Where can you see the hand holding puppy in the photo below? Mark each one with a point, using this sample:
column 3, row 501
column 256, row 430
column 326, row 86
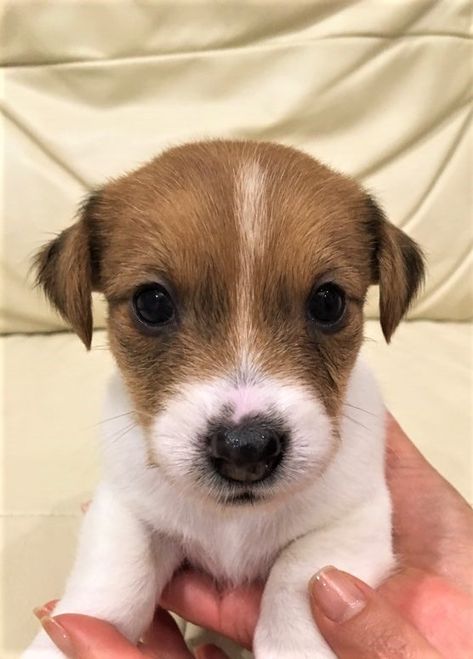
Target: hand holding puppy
column 357, row 622
column 424, row 610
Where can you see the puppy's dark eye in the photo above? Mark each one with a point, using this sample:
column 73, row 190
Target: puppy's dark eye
column 326, row 305
column 153, row 305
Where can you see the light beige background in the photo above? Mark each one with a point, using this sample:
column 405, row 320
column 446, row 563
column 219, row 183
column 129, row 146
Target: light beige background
column 380, row 89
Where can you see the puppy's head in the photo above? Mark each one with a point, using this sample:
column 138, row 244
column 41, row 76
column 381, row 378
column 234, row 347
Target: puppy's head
column 235, row 275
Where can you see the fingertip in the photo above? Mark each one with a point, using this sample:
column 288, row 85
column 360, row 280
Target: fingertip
column 336, row 594
column 394, row 427
column 59, row 636
column 357, row 622
column 85, row 505
column 209, row 652
column 45, row 609
column 84, row 632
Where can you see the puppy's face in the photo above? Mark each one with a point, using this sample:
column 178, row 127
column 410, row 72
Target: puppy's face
column 235, row 275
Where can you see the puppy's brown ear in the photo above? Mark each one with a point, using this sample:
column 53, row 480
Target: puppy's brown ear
column 397, row 266
column 67, row 269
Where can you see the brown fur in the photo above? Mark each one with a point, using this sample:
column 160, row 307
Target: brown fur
column 175, row 221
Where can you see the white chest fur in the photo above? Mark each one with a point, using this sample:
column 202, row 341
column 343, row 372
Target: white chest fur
column 240, row 543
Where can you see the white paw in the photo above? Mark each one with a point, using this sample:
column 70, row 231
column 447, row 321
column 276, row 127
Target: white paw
column 43, row 653
column 285, row 648
column 42, row 648
column 296, row 653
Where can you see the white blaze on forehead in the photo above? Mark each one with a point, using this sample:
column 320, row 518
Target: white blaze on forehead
column 251, row 211
column 250, row 203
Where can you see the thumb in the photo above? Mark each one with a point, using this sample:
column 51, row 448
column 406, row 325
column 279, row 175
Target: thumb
column 82, row 637
column 358, row 624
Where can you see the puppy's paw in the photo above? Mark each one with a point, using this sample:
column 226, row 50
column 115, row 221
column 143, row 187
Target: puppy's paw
column 284, row 646
column 42, row 648
column 294, row 653
column 43, row 653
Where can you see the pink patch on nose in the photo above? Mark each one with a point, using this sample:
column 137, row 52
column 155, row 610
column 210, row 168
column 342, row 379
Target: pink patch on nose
column 247, row 401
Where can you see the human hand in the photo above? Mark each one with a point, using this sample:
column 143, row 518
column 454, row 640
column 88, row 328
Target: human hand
column 425, row 607
column 84, row 637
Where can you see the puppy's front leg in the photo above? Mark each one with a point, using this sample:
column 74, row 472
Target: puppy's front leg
column 286, row 629
column 119, row 572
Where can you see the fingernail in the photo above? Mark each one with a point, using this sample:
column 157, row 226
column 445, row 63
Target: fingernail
column 44, row 610
column 58, row 635
column 336, row 594
column 40, row 612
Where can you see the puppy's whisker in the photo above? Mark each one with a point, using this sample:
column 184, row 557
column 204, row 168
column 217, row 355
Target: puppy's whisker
column 349, row 418
column 120, row 416
column 112, row 418
column 360, row 409
column 119, row 435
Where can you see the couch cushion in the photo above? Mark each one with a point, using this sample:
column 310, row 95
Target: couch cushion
column 52, row 392
column 381, row 91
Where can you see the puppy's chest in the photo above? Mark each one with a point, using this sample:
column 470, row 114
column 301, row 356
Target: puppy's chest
column 232, row 546
column 232, row 553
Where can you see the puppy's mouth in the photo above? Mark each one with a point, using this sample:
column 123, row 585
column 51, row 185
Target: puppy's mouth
column 230, row 492
column 243, row 498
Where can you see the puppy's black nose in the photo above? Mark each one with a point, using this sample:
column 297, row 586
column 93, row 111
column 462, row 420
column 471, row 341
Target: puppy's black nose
column 247, row 452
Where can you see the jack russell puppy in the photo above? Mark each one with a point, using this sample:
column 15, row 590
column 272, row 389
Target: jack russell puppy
column 243, row 434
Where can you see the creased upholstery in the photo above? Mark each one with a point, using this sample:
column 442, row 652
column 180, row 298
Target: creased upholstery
column 379, row 89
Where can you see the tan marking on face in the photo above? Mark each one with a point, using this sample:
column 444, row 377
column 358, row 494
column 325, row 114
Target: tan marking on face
column 239, row 232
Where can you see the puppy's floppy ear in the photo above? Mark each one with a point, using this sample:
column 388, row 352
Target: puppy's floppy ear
column 397, row 266
column 67, row 269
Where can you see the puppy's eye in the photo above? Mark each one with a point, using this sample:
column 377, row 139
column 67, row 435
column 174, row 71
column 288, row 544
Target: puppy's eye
column 326, row 306
column 153, row 305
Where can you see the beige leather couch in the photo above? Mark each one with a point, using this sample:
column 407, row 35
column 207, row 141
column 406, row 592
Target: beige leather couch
column 376, row 88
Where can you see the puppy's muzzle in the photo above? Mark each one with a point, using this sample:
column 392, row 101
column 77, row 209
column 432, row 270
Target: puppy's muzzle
column 247, row 452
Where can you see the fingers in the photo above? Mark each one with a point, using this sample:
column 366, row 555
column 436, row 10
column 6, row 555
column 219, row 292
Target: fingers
column 403, row 456
column 209, row 652
column 358, row 624
column 45, row 610
column 84, row 637
column 85, row 505
column 164, row 639
column 433, row 524
column 233, row 613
